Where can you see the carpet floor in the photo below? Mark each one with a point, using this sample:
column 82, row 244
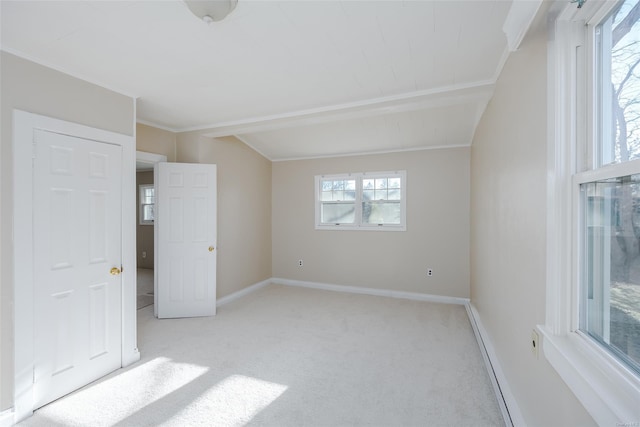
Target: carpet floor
column 144, row 291
column 286, row 356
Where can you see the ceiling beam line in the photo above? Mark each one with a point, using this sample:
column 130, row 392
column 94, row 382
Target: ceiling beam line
column 477, row 92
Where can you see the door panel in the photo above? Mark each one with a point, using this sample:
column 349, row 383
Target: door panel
column 185, row 226
column 77, row 240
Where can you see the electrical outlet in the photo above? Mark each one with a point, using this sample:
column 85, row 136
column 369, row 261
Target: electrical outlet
column 535, row 343
column 300, row 263
column 429, row 272
column 144, row 254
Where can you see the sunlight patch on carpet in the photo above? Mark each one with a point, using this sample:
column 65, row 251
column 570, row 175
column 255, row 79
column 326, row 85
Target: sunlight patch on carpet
column 234, row 401
column 130, row 391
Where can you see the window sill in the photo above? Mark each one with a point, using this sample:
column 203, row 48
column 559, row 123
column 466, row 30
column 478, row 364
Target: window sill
column 362, row 228
column 608, row 390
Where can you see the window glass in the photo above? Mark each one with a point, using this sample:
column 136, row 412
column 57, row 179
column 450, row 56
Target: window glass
column 611, row 291
column 147, row 201
column 618, row 81
column 361, row 200
column 338, row 213
column 381, row 212
column 609, row 308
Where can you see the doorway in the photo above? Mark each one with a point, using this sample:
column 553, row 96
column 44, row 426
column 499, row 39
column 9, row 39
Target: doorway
column 145, row 227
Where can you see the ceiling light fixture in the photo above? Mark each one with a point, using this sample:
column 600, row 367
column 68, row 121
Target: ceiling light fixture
column 211, row 10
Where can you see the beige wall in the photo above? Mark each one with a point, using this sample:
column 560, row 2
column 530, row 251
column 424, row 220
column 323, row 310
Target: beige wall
column 157, row 141
column 37, row 89
column 144, row 233
column 508, row 209
column 244, row 207
column 437, row 233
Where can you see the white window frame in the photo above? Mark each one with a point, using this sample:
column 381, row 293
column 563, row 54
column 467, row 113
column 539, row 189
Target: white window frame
column 608, row 389
column 358, row 225
column 141, row 205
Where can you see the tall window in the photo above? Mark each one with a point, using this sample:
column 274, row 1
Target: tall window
column 361, row 201
column 147, row 202
column 609, row 278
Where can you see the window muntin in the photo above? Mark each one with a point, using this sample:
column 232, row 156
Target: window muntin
column 338, row 201
column 361, row 201
column 147, row 203
column 609, row 202
column 381, row 200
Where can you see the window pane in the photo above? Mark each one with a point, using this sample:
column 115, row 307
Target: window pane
column 394, row 182
column 380, row 213
column 338, row 213
column 147, row 195
column 338, row 190
column 394, row 194
column 368, row 184
column 618, row 44
column 381, row 183
column 381, row 195
column 147, row 213
column 610, row 297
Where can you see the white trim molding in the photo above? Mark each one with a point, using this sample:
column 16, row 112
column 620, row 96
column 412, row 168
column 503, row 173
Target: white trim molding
column 506, row 401
column 372, row 291
column 242, row 292
column 607, row 389
column 7, row 418
column 150, row 158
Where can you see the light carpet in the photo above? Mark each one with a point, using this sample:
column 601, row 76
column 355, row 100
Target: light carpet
column 285, row 356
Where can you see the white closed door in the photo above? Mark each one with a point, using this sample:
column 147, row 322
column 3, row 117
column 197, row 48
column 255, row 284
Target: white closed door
column 185, row 239
column 77, row 243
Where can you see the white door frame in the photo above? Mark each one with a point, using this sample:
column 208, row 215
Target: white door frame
column 23, row 126
column 150, row 158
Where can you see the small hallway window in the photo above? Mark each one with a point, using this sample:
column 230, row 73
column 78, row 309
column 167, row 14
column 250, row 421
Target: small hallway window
column 147, row 202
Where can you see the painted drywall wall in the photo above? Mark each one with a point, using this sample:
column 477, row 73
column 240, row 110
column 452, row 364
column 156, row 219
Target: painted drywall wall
column 31, row 87
column 144, row 232
column 244, row 207
column 157, row 141
column 437, row 233
column 508, row 226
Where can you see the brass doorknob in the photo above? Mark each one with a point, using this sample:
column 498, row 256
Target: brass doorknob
column 211, row 248
column 115, row 271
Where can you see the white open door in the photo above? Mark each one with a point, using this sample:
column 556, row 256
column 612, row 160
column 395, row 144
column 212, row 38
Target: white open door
column 185, row 239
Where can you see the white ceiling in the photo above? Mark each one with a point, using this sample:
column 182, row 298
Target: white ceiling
column 292, row 79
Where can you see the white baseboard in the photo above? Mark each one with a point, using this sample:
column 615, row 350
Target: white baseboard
column 130, row 358
column 6, row 418
column 507, row 403
column 242, row 292
column 372, row 291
